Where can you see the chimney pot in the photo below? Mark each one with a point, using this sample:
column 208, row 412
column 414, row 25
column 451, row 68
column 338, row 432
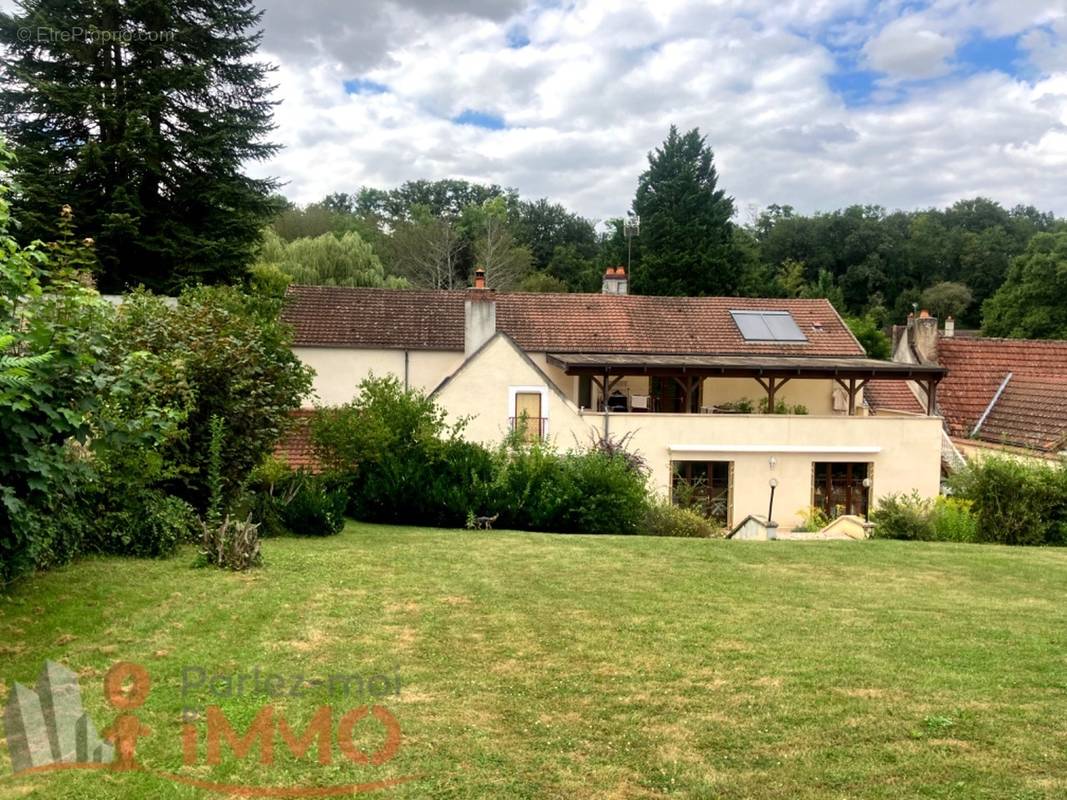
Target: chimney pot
column 924, row 314
column 479, row 278
column 950, row 327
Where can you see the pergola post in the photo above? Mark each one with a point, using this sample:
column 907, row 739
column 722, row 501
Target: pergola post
column 852, row 389
column 771, row 386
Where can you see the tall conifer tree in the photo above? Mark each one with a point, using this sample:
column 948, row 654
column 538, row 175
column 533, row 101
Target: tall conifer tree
column 140, row 115
column 686, row 234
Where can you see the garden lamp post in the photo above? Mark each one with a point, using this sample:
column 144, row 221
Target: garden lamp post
column 773, row 483
column 867, row 500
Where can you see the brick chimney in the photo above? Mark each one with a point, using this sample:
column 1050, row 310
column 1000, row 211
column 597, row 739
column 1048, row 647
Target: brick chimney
column 479, row 315
column 615, row 281
column 924, row 337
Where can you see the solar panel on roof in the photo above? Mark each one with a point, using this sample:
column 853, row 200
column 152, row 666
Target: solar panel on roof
column 768, row 326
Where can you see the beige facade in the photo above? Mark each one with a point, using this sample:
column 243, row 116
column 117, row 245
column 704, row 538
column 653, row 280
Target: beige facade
column 899, row 454
column 338, row 370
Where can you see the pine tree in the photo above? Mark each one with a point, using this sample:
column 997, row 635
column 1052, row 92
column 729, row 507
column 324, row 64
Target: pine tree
column 139, row 114
column 686, row 233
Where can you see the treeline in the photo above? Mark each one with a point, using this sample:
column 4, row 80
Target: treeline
column 150, row 159
column 975, row 260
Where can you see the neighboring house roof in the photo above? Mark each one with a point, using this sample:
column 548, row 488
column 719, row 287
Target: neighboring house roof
column 891, row 396
column 294, row 448
column 1030, row 412
column 409, row 319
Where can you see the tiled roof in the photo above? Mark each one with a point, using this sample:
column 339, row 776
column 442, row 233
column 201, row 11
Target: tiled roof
column 1032, row 413
column 891, row 396
column 294, row 448
column 433, row 320
column 1029, row 412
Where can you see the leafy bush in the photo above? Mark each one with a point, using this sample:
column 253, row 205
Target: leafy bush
column 315, row 505
column 954, row 520
column 812, row 519
column 44, row 535
column 232, row 544
column 911, row 517
column 663, row 518
column 406, row 464
column 232, row 358
column 151, row 524
column 900, row 516
column 1015, row 502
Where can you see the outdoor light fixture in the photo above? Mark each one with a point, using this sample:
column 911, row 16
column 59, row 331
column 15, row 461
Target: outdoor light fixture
column 773, row 483
column 867, row 500
column 773, row 462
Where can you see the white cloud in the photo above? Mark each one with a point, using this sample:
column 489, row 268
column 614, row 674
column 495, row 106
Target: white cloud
column 600, row 82
column 907, row 48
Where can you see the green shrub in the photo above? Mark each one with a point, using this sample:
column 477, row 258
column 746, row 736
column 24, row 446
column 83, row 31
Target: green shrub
column 232, row 358
column 150, row 524
column 901, row 516
column 406, row 464
column 605, row 494
column 911, row 517
column 812, row 519
column 663, row 518
column 1014, row 502
column 48, row 536
column 315, row 505
column 953, row 520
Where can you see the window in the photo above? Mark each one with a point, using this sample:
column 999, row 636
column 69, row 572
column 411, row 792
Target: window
column 837, row 487
column 528, row 411
column 704, row 485
column 768, row 326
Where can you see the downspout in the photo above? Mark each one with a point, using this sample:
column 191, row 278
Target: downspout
column 406, row 363
column 993, row 402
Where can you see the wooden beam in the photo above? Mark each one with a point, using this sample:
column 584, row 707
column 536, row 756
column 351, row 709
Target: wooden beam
column 931, row 398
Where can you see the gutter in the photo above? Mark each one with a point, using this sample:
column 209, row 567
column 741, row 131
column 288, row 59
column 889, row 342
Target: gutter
column 993, row 402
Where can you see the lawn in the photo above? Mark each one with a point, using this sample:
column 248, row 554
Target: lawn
column 541, row 666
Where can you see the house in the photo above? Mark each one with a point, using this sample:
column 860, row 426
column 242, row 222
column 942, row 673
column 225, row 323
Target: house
column 1004, row 396
column 683, row 379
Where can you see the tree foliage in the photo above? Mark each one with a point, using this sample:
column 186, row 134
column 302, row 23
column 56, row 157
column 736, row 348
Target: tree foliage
column 326, row 260
column 686, row 232
column 1032, row 303
column 144, row 132
column 236, row 356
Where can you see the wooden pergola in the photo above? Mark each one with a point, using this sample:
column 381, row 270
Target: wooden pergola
column 771, row 372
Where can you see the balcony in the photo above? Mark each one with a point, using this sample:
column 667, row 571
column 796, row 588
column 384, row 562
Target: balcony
column 530, row 429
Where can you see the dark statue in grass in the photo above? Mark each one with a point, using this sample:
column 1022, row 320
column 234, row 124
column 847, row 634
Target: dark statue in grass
column 142, row 126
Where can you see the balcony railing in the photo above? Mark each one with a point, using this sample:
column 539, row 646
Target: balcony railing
column 530, row 428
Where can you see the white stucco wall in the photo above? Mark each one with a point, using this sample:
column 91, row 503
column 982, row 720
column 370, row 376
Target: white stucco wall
column 905, row 452
column 339, row 370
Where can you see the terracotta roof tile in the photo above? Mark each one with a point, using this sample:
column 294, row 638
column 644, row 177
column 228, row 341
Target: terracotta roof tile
column 294, row 448
column 891, row 396
column 976, row 369
column 1032, row 413
column 433, row 320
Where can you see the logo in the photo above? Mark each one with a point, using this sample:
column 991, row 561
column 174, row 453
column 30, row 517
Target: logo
column 48, row 730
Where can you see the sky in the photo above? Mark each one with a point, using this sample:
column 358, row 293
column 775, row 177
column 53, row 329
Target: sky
column 814, row 103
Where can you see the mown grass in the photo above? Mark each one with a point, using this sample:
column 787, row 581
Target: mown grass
column 538, row 666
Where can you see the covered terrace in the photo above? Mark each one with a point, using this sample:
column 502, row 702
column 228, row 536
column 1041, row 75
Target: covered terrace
column 688, row 373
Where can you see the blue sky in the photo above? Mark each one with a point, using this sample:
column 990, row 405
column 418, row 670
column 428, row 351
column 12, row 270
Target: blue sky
column 815, row 104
